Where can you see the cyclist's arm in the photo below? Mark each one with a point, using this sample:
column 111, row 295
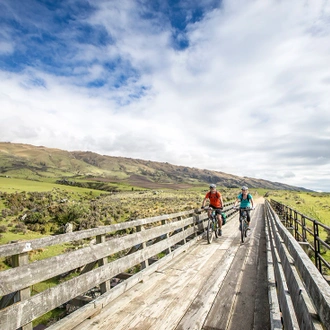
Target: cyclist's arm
column 252, row 202
column 203, row 204
column 236, row 202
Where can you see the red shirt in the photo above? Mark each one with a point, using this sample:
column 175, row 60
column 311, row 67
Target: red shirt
column 214, row 199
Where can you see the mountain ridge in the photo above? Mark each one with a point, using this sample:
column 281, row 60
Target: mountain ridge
column 33, row 162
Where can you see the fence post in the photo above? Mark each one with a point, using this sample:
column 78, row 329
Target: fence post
column 145, row 263
column 19, row 260
column 290, row 217
column 303, row 228
column 286, row 216
column 196, row 220
column 168, row 250
column 318, row 264
column 183, row 229
column 105, row 286
column 296, row 226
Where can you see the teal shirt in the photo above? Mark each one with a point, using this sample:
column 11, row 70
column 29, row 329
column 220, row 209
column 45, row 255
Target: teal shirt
column 245, row 202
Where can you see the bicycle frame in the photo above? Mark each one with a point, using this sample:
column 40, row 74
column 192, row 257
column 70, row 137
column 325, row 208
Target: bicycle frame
column 243, row 223
column 212, row 227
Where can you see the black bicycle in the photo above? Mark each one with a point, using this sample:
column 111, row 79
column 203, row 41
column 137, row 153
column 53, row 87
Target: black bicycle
column 243, row 226
column 212, row 226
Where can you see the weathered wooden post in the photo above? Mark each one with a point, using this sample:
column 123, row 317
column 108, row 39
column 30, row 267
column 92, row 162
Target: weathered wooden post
column 168, row 250
column 196, row 219
column 144, row 264
column 290, row 217
column 296, row 226
column 105, row 286
column 183, row 229
column 19, row 260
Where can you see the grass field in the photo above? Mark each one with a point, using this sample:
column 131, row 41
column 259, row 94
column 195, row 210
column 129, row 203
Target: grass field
column 12, row 185
column 313, row 204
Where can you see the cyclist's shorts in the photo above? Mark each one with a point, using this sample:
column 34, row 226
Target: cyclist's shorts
column 217, row 210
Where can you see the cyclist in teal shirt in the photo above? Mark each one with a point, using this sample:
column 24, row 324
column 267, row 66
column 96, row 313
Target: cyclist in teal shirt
column 246, row 200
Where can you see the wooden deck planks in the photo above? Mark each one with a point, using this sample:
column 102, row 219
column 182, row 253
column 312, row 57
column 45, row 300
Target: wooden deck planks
column 174, row 288
column 206, row 285
column 220, row 314
column 180, row 295
column 123, row 309
column 247, row 310
column 205, row 282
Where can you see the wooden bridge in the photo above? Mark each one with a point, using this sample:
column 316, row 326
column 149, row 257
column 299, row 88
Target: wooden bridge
column 179, row 281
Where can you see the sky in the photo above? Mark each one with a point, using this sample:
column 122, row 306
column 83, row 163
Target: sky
column 237, row 86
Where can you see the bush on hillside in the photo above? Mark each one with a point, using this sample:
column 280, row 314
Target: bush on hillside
column 71, row 213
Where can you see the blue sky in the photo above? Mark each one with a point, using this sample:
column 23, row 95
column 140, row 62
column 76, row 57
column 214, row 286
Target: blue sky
column 236, row 86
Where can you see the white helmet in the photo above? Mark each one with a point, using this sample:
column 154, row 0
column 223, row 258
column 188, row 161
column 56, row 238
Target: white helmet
column 245, row 188
column 212, row 185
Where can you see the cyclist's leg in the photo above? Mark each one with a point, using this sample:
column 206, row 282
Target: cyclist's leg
column 248, row 217
column 209, row 211
column 219, row 217
column 240, row 218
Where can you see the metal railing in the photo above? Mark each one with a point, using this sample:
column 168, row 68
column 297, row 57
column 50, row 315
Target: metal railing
column 299, row 294
column 307, row 230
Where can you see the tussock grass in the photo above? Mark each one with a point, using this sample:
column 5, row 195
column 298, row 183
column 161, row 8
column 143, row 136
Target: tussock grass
column 313, row 204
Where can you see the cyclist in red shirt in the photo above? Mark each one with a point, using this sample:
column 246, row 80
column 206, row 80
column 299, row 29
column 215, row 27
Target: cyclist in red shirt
column 216, row 203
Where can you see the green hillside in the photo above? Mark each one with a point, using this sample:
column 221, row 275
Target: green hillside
column 41, row 163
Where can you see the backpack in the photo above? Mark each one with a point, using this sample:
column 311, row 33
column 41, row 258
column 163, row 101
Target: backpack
column 248, row 197
column 224, row 218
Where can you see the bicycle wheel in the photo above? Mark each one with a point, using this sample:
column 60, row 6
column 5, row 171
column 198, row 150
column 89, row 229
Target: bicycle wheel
column 209, row 233
column 216, row 227
column 242, row 230
column 245, row 228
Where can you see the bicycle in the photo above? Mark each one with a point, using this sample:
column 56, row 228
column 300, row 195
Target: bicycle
column 243, row 224
column 212, row 225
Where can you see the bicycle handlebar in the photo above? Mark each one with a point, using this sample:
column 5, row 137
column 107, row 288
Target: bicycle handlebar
column 243, row 208
column 206, row 208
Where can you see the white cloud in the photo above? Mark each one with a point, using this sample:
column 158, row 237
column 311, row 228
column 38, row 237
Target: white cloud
column 249, row 96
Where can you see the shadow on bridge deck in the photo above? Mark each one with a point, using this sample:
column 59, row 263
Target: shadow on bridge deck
column 222, row 285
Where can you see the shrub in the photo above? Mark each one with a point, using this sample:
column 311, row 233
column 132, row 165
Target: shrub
column 71, row 214
column 35, row 217
column 19, row 228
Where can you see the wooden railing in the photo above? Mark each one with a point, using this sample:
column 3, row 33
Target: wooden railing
column 151, row 243
column 307, row 232
column 299, row 295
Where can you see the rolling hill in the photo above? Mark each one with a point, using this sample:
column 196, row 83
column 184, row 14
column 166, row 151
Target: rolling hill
column 40, row 163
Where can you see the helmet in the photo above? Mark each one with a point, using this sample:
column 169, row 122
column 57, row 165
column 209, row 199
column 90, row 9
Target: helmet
column 212, row 185
column 245, row 188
